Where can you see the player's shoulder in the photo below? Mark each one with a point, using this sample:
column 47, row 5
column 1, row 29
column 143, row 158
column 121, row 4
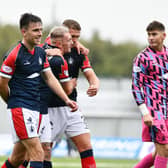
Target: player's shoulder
column 40, row 51
column 46, row 46
column 77, row 55
column 40, row 48
column 13, row 51
column 74, row 51
column 144, row 54
column 57, row 59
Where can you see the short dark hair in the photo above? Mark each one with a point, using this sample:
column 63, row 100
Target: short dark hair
column 26, row 18
column 72, row 24
column 155, row 25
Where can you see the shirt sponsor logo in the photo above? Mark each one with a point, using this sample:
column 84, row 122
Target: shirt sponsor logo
column 70, row 60
column 136, row 69
column 34, row 75
column 6, row 69
column 26, row 63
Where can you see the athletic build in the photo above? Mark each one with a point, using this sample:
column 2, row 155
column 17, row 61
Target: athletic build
column 149, row 87
column 21, row 72
column 77, row 61
column 73, row 125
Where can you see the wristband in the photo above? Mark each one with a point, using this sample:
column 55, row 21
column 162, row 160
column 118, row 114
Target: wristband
column 143, row 108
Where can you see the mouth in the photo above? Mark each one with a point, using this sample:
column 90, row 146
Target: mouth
column 38, row 39
column 152, row 42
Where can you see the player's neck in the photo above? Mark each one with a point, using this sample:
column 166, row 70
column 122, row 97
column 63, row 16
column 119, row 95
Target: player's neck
column 158, row 48
column 30, row 47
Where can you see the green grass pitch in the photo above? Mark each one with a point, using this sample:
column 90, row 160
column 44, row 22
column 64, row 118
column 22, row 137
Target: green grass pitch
column 75, row 163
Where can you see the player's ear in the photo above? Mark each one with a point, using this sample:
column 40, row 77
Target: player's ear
column 58, row 44
column 23, row 31
column 164, row 34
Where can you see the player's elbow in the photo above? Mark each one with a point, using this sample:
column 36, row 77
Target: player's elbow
column 1, row 84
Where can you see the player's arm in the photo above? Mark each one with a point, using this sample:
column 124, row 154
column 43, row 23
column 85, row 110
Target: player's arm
column 50, row 51
column 54, row 84
column 147, row 118
column 90, row 76
column 53, row 51
column 67, row 83
column 59, row 68
column 68, row 86
column 4, row 89
column 93, row 82
column 138, row 77
column 6, row 72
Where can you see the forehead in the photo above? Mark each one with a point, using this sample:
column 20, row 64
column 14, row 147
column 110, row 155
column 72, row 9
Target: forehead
column 155, row 31
column 74, row 31
column 67, row 35
column 35, row 25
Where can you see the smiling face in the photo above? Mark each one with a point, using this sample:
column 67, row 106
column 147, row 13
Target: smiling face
column 32, row 34
column 64, row 43
column 156, row 39
column 75, row 34
column 67, row 43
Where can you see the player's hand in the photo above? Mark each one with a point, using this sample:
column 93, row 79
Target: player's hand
column 92, row 90
column 72, row 104
column 81, row 49
column 148, row 120
column 53, row 51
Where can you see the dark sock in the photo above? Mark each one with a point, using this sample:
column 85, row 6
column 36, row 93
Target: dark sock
column 25, row 163
column 36, row 164
column 7, row 164
column 87, row 159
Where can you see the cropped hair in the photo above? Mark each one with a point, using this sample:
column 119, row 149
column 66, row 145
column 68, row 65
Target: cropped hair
column 27, row 18
column 155, row 25
column 72, row 24
column 58, row 31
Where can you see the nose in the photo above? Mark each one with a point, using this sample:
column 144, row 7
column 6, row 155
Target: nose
column 71, row 42
column 40, row 32
column 150, row 38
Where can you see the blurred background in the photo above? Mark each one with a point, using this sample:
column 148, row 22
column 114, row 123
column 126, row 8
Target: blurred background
column 114, row 31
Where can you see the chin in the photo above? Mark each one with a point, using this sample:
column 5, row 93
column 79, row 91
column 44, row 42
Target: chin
column 37, row 42
column 153, row 45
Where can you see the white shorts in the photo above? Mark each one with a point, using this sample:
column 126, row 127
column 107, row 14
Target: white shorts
column 64, row 121
column 44, row 129
column 24, row 123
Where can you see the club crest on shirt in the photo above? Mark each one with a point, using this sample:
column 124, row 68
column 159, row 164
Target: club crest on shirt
column 40, row 61
column 136, row 69
column 6, row 68
column 70, row 61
